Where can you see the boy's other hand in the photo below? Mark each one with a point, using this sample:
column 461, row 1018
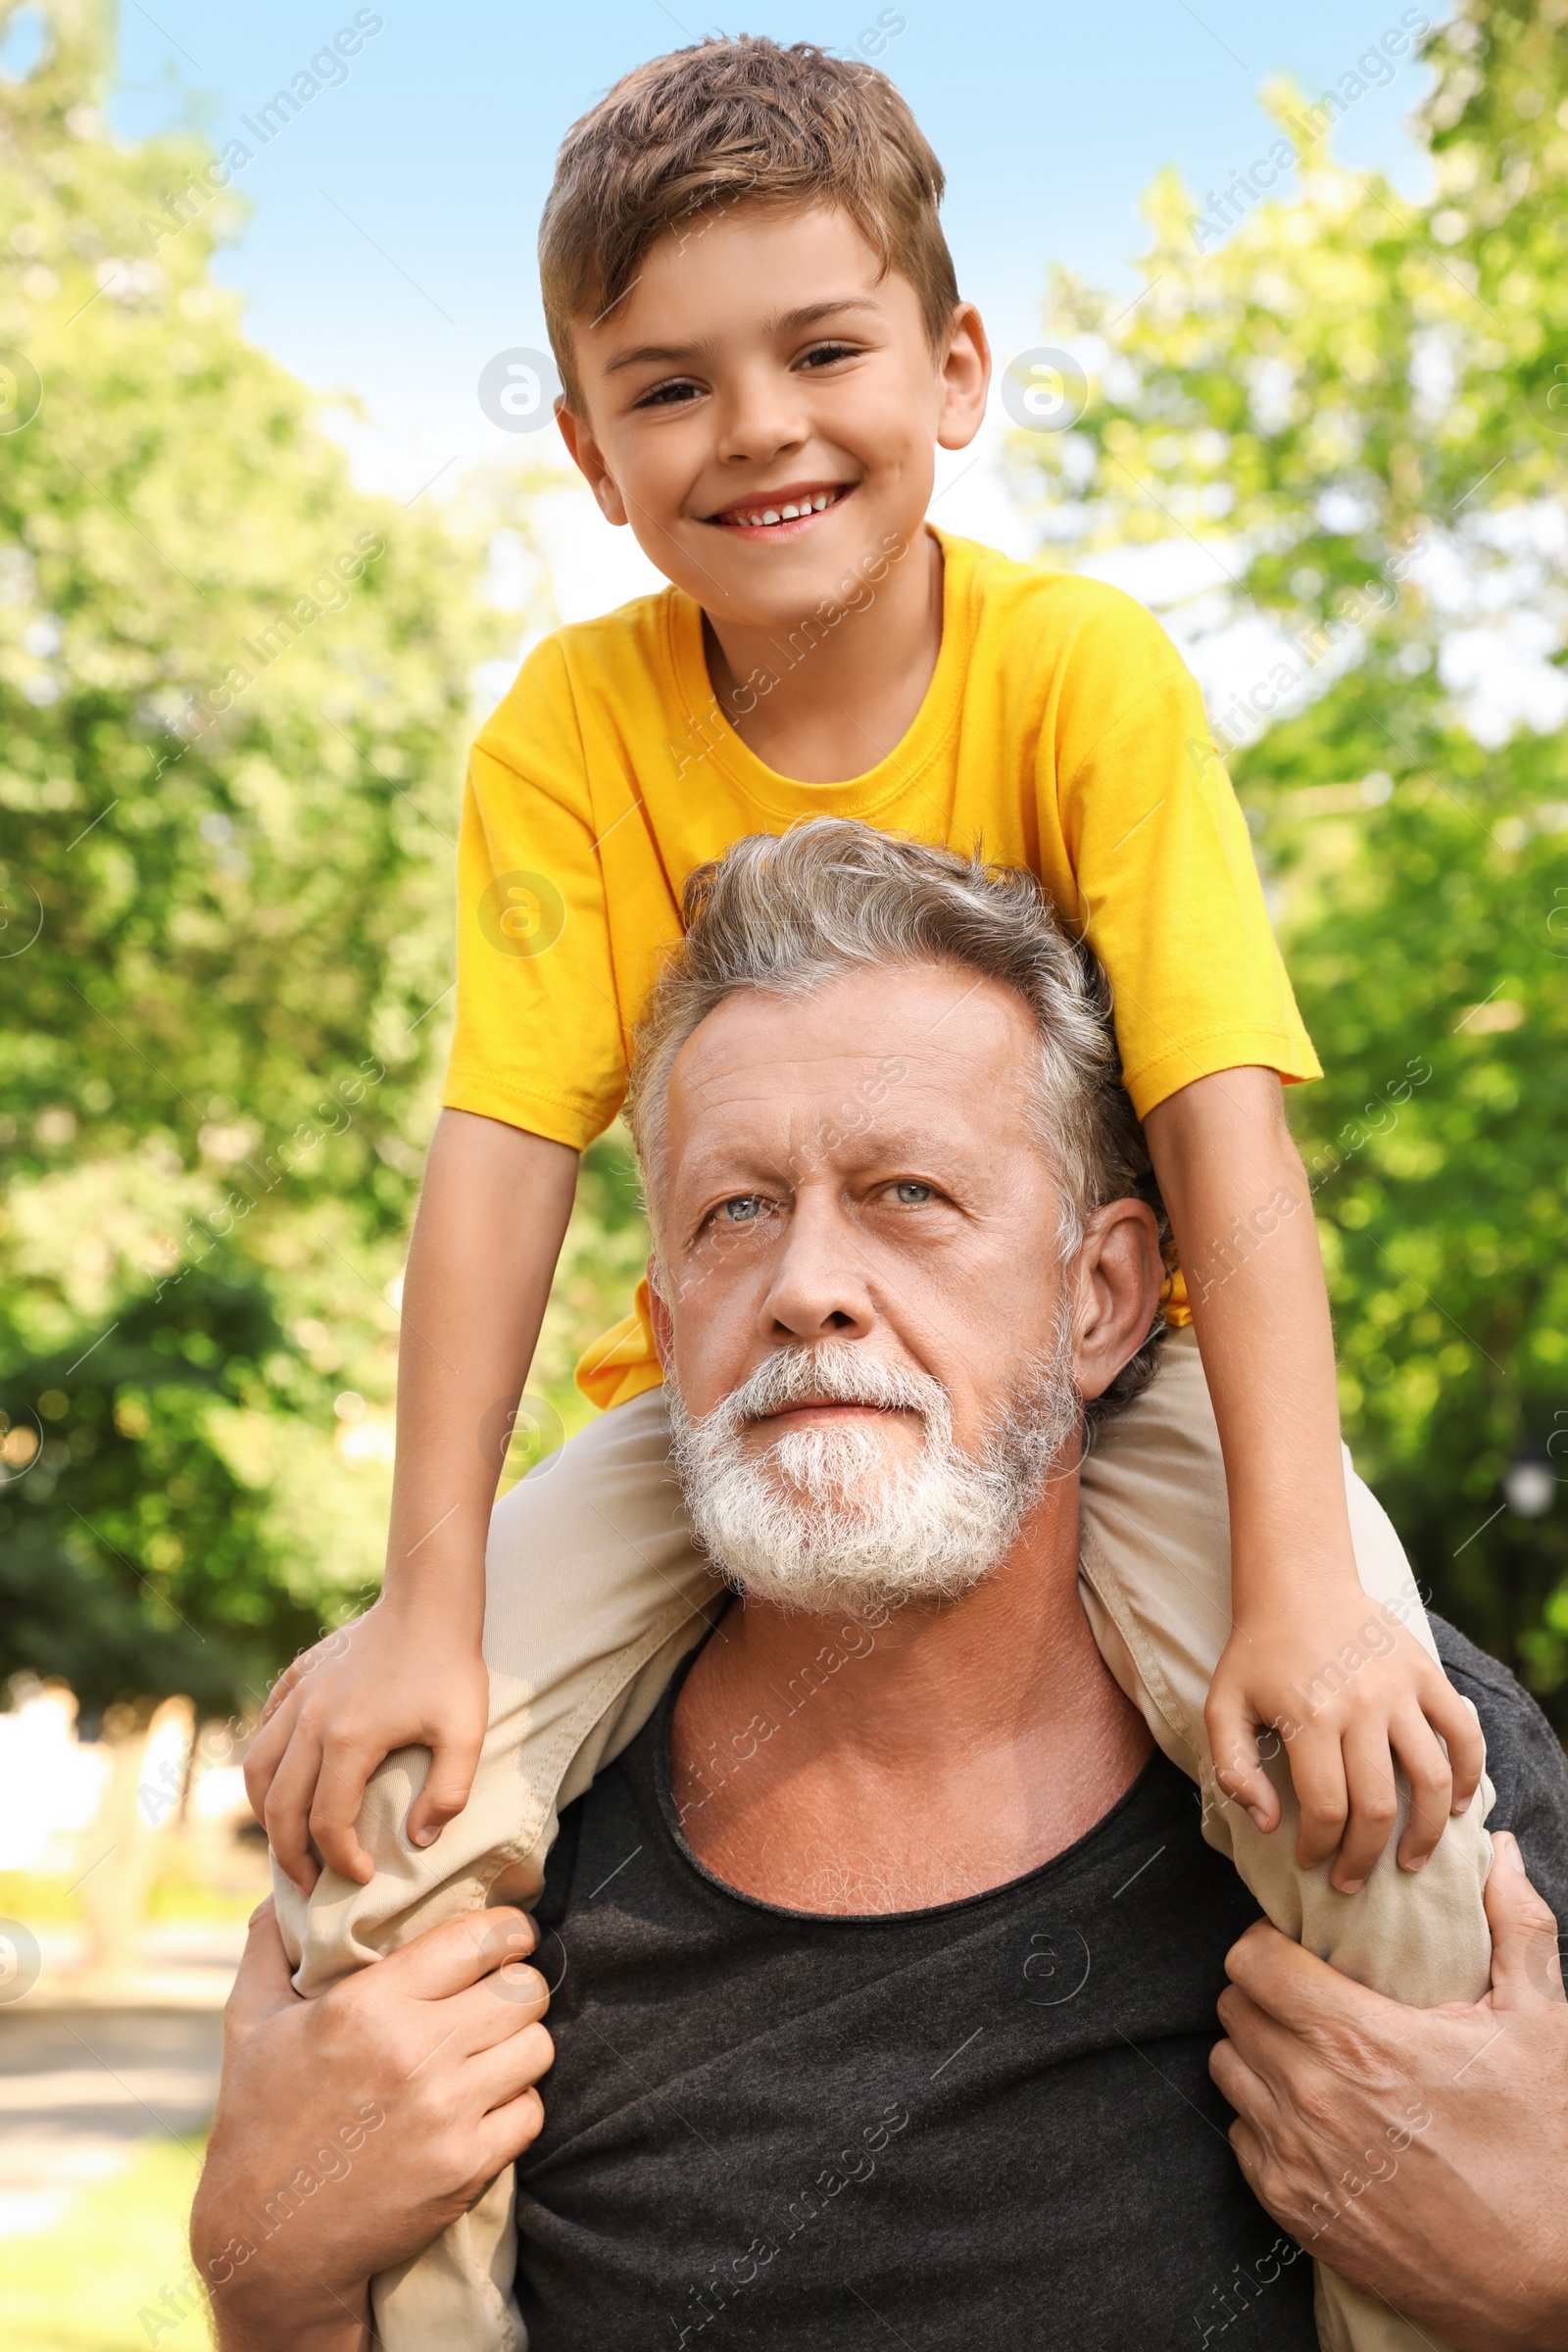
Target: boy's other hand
column 389, row 1679
column 1354, row 1694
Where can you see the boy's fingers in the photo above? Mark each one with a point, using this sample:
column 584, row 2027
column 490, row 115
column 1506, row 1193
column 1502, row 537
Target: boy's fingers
column 287, row 1810
column 1318, row 1770
column 1454, row 1720
column 284, row 1687
column 1233, row 1745
column 452, row 1765
column 263, row 1757
column 1425, row 1766
column 336, row 1807
column 1373, row 1795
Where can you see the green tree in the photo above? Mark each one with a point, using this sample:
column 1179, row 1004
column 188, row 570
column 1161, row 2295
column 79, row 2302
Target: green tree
column 234, row 697
column 1351, row 414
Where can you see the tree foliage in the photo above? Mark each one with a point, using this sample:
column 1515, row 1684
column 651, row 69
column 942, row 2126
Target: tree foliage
column 234, row 696
column 1346, row 427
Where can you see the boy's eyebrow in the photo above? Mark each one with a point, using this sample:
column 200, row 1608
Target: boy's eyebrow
column 791, row 322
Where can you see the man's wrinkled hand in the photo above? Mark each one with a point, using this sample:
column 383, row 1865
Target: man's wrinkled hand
column 351, row 2129
column 1422, row 2153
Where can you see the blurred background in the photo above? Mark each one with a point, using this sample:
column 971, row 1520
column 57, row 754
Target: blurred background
column 1280, row 315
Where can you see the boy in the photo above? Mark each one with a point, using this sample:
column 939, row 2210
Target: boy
column 760, row 339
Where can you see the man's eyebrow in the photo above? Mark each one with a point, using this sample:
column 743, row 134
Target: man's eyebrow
column 671, row 355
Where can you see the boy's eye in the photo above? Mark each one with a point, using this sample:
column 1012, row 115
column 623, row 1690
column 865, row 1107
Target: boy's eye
column 910, row 1195
column 668, row 396
column 826, row 354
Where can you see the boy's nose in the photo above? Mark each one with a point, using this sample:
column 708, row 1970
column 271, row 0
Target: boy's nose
column 762, row 419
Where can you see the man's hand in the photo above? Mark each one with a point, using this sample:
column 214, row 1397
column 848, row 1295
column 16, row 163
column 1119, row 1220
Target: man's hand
column 1423, row 2153
column 351, row 2129
column 395, row 1677
column 1354, row 1694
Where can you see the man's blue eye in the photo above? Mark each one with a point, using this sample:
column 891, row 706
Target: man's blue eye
column 743, row 1210
column 911, row 1195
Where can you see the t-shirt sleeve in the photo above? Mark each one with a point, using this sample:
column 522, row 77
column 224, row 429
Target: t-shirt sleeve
column 1525, row 1763
column 1163, row 860
column 539, row 1040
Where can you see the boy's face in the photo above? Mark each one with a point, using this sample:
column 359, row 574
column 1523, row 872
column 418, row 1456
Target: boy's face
column 759, row 362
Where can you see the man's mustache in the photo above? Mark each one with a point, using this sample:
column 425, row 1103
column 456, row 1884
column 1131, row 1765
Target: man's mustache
column 838, row 1374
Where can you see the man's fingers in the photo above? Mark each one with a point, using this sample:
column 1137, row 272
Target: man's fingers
column 1526, row 1949
column 1238, row 1768
column 1373, row 1806
column 502, row 2074
column 447, row 1783
column 336, row 1806
column 1239, row 2082
column 288, row 1807
column 261, row 1984
column 1303, row 1993
column 494, row 2012
column 1425, row 1766
column 506, row 2130
column 450, row 1958
column 1317, row 1768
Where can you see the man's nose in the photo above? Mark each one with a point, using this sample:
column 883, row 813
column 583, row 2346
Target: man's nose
column 819, row 1287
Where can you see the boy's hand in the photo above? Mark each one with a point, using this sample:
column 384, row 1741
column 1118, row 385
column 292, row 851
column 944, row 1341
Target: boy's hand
column 1352, row 1694
column 389, row 1679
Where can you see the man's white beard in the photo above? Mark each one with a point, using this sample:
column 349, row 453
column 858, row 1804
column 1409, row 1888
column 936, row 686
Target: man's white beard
column 832, row 1518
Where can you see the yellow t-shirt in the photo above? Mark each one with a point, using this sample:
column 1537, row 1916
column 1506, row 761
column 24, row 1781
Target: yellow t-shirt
column 1060, row 731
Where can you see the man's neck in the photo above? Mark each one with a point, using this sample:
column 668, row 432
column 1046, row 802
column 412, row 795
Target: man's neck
column 826, row 1763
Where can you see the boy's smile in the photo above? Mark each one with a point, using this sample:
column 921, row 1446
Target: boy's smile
column 764, row 408
column 784, row 512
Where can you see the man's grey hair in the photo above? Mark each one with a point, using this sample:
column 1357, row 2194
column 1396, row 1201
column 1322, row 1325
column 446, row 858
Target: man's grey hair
column 785, row 914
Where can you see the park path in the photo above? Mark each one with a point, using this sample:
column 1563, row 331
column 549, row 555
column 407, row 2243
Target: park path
column 87, row 2075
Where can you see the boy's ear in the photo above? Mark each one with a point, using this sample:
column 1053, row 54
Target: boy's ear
column 965, row 379
column 664, row 1330
column 588, row 458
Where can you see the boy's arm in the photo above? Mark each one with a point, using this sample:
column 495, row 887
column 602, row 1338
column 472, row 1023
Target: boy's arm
column 1241, row 1207
column 492, row 1217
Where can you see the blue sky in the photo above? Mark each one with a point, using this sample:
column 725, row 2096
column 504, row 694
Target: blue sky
column 390, row 248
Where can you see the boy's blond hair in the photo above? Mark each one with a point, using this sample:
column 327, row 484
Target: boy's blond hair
column 679, row 140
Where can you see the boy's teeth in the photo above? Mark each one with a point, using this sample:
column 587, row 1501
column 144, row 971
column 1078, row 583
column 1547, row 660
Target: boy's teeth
column 788, row 513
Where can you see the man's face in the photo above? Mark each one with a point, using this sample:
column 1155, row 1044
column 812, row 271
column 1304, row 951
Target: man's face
column 761, row 359
column 860, row 1257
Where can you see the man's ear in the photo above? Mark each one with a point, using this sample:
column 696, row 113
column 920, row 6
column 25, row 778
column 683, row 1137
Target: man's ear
column 589, row 459
column 658, row 1319
column 1119, row 1276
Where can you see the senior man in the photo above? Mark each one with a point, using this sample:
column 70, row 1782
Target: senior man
column 886, row 1956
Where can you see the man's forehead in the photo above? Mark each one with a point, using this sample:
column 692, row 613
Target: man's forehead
column 930, row 1033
